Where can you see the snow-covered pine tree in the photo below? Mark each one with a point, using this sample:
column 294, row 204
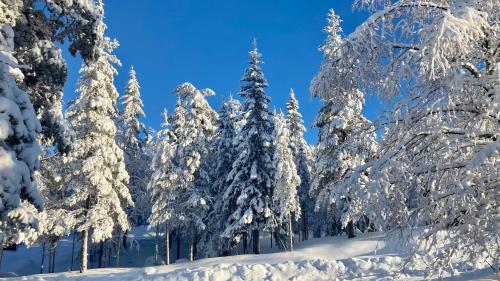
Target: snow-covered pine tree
column 193, row 149
column 193, row 125
column 224, row 155
column 302, row 154
column 160, row 188
column 437, row 62
column 97, row 184
column 322, row 156
column 251, row 177
column 285, row 201
column 333, row 40
column 346, row 139
column 349, row 140
column 41, row 24
column 133, row 142
column 19, row 150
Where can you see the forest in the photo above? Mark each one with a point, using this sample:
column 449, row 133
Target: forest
column 217, row 182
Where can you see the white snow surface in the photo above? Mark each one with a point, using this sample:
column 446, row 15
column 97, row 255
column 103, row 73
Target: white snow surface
column 366, row 257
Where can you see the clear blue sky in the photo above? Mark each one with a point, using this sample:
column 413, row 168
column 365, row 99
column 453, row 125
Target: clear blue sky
column 207, row 42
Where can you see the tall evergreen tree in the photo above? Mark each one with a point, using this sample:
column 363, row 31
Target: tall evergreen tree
column 285, row 201
column 252, row 173
column 323, row 171
column 19, row 148
column 97, row 183
column 224, row 155
column 302, row 154
column 193, row 125
column 346, row 138
column 133, row 142
column 349, row 140
column 162, row 195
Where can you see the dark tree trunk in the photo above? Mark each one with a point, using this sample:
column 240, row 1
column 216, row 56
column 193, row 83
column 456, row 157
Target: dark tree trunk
column 50, row 261
column 178, row 246
column 245, row 243
column 256, row 241
column 317, row 232
column 53, row 247
column 43, row 258
column 117, row 250
column 350, row 229
column 1, row 255
column 73, row 251
column 108, row 252
column 305, row 227
column 125, row 240
column 101, row 254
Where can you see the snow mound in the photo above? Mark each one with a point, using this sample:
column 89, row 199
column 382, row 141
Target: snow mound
column 318, row 269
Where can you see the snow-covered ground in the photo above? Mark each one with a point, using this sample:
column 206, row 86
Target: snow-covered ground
column 366, row 257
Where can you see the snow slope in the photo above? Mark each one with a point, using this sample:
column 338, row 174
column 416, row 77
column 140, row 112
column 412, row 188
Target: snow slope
column 332, row 258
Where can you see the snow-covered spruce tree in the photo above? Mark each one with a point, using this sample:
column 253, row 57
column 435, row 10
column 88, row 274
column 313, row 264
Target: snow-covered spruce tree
column 19, row 148
column 162, row 195
column 96, row 185
column 41, row 24
column 285, row 204
column 193, row 125
column 346, row 139
column 333, row 39
column 323, row 171
column 349, row 140
column 302, row 154
column 224, row 155
column 251, row 177
column 133, row 142
column 438, row 164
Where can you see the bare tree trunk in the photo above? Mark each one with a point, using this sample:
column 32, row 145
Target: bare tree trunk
column 125, row 240
column 178, row 256
column 85, row 238
column 1, row 253
column 117, row 250
column 350, row 229
column 42, row 264
column 305, row 227
column 256, row 241
column 271, row 239
column 191, row 244
column 167, row 244
column 83, row 257
column 73, row 251
column 50, row 259
column 53, row 247
column 157, row 240
column 108, row 252
column 101, row 253
column 245, row 243
column 290, row 234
